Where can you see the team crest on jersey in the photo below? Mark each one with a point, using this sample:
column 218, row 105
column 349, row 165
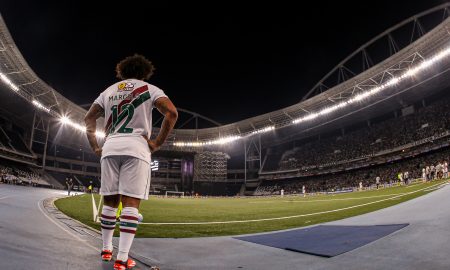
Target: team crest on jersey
column 126, row 86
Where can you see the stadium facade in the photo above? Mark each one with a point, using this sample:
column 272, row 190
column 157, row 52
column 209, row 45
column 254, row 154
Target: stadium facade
column 393, row 76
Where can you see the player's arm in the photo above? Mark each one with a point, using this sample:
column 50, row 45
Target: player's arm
column 90, row 120
column 166, row 108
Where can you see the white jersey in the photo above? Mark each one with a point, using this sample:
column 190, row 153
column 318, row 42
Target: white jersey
column 438, row 167
column 128, row 109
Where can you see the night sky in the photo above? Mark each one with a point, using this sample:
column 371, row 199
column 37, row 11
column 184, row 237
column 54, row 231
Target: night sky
column 225, row 61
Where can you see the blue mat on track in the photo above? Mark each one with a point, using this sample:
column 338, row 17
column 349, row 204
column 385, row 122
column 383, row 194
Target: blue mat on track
column 324, row 240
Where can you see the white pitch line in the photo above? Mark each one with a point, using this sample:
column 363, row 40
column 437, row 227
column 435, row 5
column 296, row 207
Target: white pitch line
column 434, row 188
column 343, row 199
column 6, row 197
column 349, row 199
column 329, row 200
column 287, row 217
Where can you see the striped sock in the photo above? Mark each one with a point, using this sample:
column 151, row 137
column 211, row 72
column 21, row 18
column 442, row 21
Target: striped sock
column 108, row 221
column 128, row 227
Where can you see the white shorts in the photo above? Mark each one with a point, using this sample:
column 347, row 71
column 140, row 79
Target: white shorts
column 125, row 175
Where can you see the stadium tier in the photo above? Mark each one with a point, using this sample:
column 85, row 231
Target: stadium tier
column 18, row 173
column 390, row 117
column 405, row 139
column 368, row 139
column 353, row 173
column 350, row 180
column 11, row 137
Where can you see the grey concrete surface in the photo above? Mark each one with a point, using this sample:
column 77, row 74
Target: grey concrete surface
column 424, row 244
column 29, row 239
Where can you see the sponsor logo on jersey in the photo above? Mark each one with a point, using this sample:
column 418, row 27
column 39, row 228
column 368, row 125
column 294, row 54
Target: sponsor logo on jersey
column 125, row 86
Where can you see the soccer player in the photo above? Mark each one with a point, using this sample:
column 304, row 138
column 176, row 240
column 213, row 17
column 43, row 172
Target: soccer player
column 432, row 172
column 125, row 157
column 400, row 178
column 377, row 182
column 69, row 184
column 445, row 169
column 304, row 190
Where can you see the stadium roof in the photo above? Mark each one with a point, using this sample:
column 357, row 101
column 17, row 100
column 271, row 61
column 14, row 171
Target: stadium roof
column 21, row 79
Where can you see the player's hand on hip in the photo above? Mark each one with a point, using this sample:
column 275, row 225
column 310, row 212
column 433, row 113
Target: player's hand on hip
column 152, row 145
column 98, row 152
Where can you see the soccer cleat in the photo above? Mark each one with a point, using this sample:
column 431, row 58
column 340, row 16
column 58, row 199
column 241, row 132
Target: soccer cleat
column 121, row 265
column 106, row 255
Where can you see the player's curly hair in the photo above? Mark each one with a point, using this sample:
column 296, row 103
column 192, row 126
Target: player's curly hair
column 135, row 67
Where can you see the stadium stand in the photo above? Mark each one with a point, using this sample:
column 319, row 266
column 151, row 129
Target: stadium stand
column 342, row 180
column 60, row 177
column 417, row 138
column 352, row 146
column 368, row 141
column 11, row 138
column 88, row 180
column 80, row 182
column 19, row 174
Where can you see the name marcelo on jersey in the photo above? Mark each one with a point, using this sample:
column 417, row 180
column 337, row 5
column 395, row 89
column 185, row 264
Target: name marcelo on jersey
column 121, row 97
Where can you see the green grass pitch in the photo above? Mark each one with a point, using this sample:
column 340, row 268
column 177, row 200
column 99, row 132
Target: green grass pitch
column 185, row 210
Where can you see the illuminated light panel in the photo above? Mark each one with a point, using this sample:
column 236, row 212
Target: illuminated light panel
column 395, row 80
column 100, row 134
column 40, row 106
column 9, row 82
column 154, row 165
column 263, row 130
column 66, row 121
column 219, row 141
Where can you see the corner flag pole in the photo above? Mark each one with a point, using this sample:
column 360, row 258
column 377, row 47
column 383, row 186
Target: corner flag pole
column 96, row 210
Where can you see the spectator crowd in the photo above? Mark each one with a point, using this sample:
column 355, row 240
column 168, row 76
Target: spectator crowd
column 424, row 123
